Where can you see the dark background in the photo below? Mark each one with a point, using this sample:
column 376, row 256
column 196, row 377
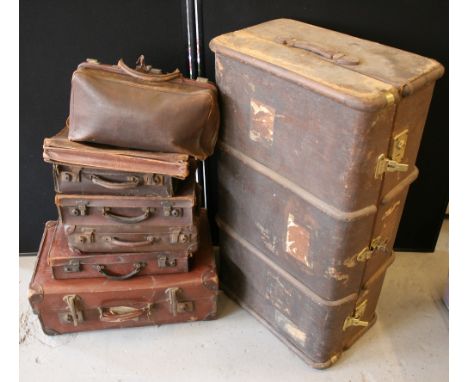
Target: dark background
column 57, row 35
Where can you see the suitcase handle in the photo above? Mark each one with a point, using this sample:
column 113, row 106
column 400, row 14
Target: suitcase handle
column 120, row 243
column 126, row 219
column 133, row 181
column 137, row 268
column 338, row 57
column 149, row 77
column 122, row 313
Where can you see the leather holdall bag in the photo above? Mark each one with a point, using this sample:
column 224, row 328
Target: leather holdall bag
column 143, row 109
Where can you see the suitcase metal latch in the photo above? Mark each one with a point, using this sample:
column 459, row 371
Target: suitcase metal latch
column 72, row 266
column 396, row 156
column 168, row 210
column 377, row 244
column 355, row 318
column 176, row 306
column 79, row 210
column 165, row 262
column 74, row 314
column 153, row 179
column 388, row 165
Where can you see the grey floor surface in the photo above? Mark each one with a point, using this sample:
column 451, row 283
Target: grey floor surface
column 409, row 342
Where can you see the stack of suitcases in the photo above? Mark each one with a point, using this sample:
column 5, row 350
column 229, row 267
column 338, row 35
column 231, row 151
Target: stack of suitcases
column 131, row 246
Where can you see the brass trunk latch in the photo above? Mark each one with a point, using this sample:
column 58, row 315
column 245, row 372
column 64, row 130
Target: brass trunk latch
column 355, row 318
column 376, row 244
column 176, row 306
column 393, row 164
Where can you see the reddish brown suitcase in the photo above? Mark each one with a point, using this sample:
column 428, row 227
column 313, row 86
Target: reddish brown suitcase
column 318, row 144
column 137, row 212
column 67, row 264
column 92, row 169
column 65, row 306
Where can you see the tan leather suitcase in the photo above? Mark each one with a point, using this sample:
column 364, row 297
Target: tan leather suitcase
column 318, row 144
column 69, row 264
column 65, row 306
column 143, row 164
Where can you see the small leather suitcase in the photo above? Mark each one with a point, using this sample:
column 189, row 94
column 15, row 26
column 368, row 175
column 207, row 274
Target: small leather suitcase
column 316, row 329
column 74, row 305
column 67, row 264
column 135, row 213
column 144, row 164
column 70, row 179
column 318, row 145
column 117, row 238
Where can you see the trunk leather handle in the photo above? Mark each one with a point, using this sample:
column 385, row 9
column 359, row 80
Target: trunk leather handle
column 137, row 268
column 106, row 211
column 150, row 77
column 132, row 182
column 120, row 243
column 113, row 315
column 338, row 57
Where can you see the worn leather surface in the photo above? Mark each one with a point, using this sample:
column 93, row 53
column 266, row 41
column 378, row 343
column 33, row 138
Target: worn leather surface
column 118, row 106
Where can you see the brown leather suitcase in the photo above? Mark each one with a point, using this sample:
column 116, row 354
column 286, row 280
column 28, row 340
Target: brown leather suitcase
column 141, row 109
column 74, row 305
column 117, row 238
column 318, row 144
column 83, row 180
column 316, row 329
column 68, row 264
column 148, row 166
column 134, row 213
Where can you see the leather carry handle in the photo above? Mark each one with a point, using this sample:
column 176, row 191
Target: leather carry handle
column 338, row 57
column 150, row 77
column 120, row 243
column 106, row 211
column 113, row 315
column 132, row 182
column 137, row 268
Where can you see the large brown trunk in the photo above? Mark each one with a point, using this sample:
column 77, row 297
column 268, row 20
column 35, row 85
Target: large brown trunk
column 318, row 145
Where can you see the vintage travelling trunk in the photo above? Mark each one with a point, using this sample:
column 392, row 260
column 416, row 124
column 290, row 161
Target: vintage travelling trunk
column 117, row 238
column 92, row 169
column 316, row 329
column 74, row 305
column 318, row 144
column 68, row 264
column 135, row 213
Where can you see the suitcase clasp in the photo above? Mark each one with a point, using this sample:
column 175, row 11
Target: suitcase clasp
column 176, row 306
column 74, row 314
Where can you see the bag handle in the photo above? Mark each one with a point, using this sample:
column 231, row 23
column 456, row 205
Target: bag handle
column 128, row 244
column 338, row 57
column 150, row 77
column 122, row 313
column 132, row 182
column 137, row 268
column 106, row 211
